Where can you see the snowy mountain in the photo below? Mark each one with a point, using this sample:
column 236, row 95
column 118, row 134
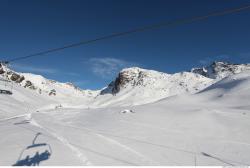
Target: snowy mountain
column 220, row 70
column 211, row 127
column 135, row 86
column 63, row 92
column 132, row 86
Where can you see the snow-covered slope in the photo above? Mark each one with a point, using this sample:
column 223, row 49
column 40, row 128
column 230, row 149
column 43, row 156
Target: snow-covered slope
column 234, row 90
column 63, row 93
column 211, row 127
column 21, row 100
column 42, row 85
column 66, row 93
column 135, row 86
column 132, row 86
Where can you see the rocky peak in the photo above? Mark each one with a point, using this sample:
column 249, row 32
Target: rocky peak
column 9, row 74
column 133, row 76
column 219, row 70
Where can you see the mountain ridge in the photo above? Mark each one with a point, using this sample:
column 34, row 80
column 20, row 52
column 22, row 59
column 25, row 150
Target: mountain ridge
column 220, row 70
column 132, row 86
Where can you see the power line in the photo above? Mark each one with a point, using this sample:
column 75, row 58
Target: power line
column 141, row 29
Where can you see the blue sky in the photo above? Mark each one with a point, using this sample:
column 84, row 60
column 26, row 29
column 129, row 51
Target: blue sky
column 30, row 26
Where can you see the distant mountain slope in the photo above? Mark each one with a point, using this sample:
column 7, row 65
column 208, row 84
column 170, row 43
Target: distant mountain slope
column 234, row 89
column 21, row 101
column 132, row 86
column 135, row 86
column 219, row 70
column 44, row 86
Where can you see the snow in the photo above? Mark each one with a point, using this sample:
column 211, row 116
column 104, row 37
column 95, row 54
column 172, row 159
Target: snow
column 146, row 86
column 63, row 90
column 208, row 126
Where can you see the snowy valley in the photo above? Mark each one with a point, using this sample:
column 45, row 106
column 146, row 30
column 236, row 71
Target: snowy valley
column 143, row 117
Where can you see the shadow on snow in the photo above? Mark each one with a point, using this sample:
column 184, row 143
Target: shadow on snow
column 33, row 154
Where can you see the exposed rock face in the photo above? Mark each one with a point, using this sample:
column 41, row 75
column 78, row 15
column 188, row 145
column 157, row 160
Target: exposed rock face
column 1, row 69
column 123, row 78
column 149, row 81
column 20, row 79
column 219, row 70
column 131, row 76
column 10, row 75
column 14, row 77
column 28, row 84
column 201, row 71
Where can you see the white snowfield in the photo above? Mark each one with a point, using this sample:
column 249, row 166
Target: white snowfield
column 211, row 127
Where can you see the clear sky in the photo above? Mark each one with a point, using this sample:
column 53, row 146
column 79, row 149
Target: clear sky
column 30, row 26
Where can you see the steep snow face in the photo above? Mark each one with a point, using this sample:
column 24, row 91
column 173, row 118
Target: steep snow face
column 135, row 86
column 220, row 70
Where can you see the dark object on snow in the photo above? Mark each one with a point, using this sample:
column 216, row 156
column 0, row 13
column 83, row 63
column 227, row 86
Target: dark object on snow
column 14, row 77
column 52, row 92
column 5, row 92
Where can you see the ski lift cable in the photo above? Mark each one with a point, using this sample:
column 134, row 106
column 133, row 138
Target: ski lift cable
column 140, row 29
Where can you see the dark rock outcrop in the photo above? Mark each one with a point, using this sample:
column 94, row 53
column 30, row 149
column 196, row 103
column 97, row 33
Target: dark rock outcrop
column 130, row 76
column 14, row 77
column 1, row 69
column 52, row 92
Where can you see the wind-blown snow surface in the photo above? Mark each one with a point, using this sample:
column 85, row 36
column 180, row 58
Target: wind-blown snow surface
column 211, row 127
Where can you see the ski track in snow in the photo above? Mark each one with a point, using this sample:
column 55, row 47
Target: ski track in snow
column 218, row 100
column 13, row 117
column 194, row 154
column 101, row 134
column 113, row 142
column 64, row 141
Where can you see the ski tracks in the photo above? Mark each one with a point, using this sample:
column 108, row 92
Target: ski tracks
column 113, row 142
column 65, row 142
column 125, row 147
